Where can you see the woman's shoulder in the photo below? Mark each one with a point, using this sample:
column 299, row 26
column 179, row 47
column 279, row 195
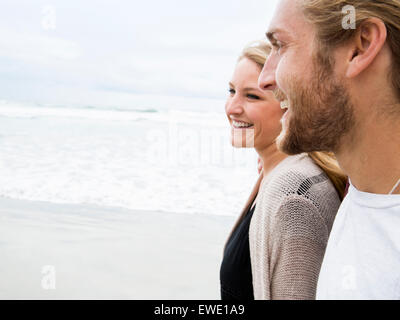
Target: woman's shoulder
column 293, row 173
column 299, row 178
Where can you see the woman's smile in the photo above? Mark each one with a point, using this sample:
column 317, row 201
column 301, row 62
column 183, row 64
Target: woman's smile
column 241, row 125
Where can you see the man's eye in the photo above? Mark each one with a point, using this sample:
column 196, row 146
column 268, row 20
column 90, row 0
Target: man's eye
column 231, row 91
column 277, row 46
column 253, row 96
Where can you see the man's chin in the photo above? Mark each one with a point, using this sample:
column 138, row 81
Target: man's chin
column 287, row 144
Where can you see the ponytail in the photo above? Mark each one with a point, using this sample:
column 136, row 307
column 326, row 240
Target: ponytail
column 327, row 162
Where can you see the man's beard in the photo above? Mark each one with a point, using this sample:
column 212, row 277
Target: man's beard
column 320, row 113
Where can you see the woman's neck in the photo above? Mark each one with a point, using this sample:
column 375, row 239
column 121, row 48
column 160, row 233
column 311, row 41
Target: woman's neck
column 270, row 157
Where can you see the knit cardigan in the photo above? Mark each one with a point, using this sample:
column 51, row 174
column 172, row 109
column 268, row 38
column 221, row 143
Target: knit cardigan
column 295, row 207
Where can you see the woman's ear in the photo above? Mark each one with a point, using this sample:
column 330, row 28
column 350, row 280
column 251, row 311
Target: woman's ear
column 369, row 40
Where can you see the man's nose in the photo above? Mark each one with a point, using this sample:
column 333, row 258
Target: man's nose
column 266, row 80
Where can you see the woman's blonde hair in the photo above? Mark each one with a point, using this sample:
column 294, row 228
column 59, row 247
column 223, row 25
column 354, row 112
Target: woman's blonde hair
column 258, row 52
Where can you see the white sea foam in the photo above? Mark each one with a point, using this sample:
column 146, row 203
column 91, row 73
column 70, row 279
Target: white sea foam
column 166, row 161
column 18, row 110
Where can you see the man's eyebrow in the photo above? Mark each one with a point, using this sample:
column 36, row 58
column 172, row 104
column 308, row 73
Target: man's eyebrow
column 271, row 34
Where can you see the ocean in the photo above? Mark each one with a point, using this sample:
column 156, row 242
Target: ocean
column 158, row 159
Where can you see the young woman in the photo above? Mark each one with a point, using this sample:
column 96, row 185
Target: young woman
column 276, row 247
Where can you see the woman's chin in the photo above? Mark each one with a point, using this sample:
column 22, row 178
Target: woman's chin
column 241, row 145
column 237, row 146
column 243, row 138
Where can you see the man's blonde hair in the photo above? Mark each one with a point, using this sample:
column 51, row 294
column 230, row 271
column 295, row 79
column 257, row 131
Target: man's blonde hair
column 327, row 17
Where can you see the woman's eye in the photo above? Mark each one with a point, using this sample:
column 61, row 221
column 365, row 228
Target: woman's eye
column 253, row 96
column 231, row 91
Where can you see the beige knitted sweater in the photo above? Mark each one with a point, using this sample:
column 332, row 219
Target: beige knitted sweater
column 295, row 208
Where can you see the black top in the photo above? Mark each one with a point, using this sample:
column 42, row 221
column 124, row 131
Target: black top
column 235, row 274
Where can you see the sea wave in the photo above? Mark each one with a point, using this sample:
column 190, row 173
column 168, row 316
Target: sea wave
column 32, row 111
column 120, row 109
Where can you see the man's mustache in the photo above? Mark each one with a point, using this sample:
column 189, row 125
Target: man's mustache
column 279, row 95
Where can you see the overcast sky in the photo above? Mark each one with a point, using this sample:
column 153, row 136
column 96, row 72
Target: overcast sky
column 88, row 51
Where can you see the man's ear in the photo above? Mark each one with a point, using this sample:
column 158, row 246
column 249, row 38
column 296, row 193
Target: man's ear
column 368, row 42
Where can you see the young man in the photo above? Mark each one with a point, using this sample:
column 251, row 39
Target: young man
column 336, row 68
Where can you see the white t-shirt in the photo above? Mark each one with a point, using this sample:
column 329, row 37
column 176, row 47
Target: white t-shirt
column 362, row 258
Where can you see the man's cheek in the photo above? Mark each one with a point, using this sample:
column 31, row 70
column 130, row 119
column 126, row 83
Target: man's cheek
column 281, row 75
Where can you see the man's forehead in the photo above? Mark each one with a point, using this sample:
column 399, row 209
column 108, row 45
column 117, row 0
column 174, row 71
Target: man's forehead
column 288, row 18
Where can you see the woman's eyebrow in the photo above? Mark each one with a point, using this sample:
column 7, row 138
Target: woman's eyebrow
column 255, row 88
column 251, row 89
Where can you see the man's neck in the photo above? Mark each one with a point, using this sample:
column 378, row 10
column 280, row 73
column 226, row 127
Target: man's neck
column 371, row 156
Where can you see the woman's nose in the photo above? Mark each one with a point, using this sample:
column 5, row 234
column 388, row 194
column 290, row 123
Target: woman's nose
column 234, row 106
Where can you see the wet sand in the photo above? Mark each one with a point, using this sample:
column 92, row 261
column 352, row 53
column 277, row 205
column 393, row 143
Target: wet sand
column 60, row 251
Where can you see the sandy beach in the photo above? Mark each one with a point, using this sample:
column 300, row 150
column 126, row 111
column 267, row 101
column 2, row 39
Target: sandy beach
column 108, row 253
column 116, row 204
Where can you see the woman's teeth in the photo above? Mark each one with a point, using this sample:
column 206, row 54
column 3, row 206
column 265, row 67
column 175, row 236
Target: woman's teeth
column 237, row 124
column 284, row 104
